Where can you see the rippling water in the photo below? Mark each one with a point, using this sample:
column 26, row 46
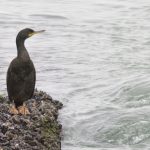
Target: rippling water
column 95, row 58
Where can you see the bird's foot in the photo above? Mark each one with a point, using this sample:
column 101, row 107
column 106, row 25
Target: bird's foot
column 23, row 110
column 13, row 110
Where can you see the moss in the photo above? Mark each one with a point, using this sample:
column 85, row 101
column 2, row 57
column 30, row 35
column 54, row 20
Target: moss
column 49, row 129
column 50, row 133
column 1, row 97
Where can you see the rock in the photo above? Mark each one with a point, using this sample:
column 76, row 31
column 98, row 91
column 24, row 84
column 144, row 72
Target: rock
column 38, row 131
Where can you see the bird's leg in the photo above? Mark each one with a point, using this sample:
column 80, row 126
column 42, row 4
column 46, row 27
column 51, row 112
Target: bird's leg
column 23, row 110
column 13, row 110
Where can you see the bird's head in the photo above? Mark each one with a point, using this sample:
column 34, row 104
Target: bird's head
column 26, row 33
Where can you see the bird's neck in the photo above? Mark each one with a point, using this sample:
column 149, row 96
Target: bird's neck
column 22, row 51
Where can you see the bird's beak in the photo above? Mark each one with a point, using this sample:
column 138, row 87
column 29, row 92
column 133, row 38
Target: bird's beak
column 36, row 32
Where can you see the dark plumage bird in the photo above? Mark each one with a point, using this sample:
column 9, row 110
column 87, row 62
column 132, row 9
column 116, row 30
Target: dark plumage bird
column 21, row 75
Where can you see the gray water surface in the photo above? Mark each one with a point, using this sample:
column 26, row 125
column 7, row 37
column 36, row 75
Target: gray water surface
column 95, row 58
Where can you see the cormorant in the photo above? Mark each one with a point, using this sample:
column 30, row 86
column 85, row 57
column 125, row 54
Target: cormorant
column 21, row 75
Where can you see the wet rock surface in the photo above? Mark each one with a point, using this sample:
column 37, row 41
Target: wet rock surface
column 38, row 131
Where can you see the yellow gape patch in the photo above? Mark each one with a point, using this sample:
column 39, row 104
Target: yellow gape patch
column 30, row 34
column 35, row 32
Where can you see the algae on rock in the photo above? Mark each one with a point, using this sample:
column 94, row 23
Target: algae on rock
column 38, row 131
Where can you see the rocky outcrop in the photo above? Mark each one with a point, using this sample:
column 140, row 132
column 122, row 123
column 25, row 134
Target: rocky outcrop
column 38, row 131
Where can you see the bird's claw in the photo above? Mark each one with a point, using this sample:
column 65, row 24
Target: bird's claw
column 13, row 110
column 23, row 110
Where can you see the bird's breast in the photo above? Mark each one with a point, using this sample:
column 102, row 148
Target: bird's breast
column 22, row 68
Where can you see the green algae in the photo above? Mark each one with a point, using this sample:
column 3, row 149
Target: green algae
column 49, row 129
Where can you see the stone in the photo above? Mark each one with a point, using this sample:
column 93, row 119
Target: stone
column 38, row 131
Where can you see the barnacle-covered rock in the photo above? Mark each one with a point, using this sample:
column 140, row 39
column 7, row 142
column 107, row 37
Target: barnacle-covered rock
column 38, row 131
